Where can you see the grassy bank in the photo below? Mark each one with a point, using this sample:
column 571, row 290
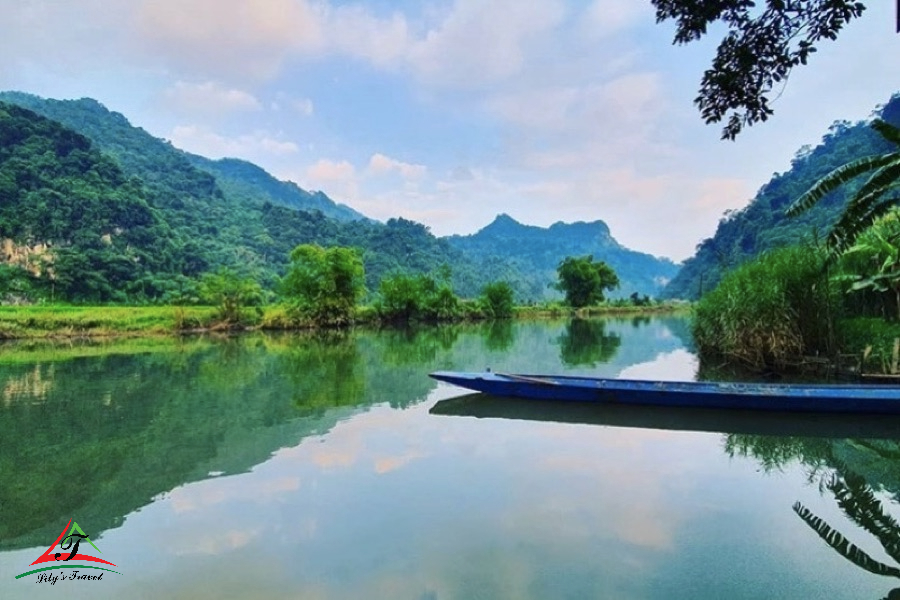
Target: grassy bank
column 20, row 322
column 35, row 322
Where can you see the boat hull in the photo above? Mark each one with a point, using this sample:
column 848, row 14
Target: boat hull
column 753, row 396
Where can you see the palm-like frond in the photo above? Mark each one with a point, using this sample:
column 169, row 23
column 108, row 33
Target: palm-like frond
column 836, row 179
column 869, row 202
column 887, row 131
column 843, row 546
column 859, row 503
column 854, row 221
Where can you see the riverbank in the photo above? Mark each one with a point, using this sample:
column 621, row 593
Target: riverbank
column 58, row 321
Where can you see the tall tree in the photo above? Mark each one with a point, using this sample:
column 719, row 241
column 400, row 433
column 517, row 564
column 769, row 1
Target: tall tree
column 762, row 46
column 584, row 281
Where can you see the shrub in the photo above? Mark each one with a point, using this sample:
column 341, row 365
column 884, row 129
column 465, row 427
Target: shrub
column 497, row 300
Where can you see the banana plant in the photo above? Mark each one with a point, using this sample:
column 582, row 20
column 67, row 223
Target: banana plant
column 879, row 247
column 873, row 200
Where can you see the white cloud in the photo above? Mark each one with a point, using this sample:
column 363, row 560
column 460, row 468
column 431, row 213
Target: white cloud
column 337, row 178
column 380, row 164
column 352, row 30
column 480, row 42
column 209, row 97
column 304, row 106
column 230, row 38
column 607, row 17
column 253, row 146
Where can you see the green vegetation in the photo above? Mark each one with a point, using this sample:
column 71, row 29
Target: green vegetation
column 324, row 285
column 497, row 300
column 230, row 292
column 772, row 311
column 404, row 298
column 584, row 280
column 871, row 201
column 763, row 225
column 763, row 44
column 527, row 257
column 17, row 322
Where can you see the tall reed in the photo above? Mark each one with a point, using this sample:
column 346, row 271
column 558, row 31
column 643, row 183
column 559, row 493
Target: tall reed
column 771, row 311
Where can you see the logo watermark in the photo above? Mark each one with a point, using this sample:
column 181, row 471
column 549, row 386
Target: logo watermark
column 68, row 542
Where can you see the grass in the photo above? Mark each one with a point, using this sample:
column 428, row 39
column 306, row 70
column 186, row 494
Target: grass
column 19, row 322
column 66, row 322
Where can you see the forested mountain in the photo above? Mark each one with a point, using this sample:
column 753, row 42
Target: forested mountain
column 762, row 225
column 73, row 225
column 537, row 251
column 207, row 224
column 128, row 217
column 245, row 181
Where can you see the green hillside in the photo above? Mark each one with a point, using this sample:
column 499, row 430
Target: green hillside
column 200, row 215
column 249, row 221
column 762, row 225
column 73, row 225
column 537, row 251
column 251, row 184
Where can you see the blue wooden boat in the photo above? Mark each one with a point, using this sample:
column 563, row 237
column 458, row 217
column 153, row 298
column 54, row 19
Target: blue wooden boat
column 700, row 394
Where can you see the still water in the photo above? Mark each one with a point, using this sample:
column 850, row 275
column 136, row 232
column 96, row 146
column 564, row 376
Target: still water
column 331, row 467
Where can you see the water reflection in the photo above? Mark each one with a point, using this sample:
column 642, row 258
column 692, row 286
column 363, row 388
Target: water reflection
column 860, row 474
column 586, row 342
column 309, row 466
column 499, row 335
column 759, row 426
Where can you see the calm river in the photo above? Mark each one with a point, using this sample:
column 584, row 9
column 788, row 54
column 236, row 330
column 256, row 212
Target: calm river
column 332, row 467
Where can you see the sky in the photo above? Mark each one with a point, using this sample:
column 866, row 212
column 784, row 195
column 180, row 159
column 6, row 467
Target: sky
column 449, row 112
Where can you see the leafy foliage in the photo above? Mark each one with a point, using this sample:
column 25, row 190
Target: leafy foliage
column 873, row 263
column 406, row 297
column 497, row 300
column 584, row 280
column 761, row 47
column 762, row 225
column 230, row 292
column 101, row 240
column 873, row 200
column 324, row 284
column 771, row 310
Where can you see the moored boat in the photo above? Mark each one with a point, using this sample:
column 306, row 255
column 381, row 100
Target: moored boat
column 845, row 398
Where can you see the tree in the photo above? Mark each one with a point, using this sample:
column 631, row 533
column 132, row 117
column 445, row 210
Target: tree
column 497, row 300
column 762, row 46
column 407, row 297
column 584, row 280
column 873, row 200
column 324, row 284
column 230, row 292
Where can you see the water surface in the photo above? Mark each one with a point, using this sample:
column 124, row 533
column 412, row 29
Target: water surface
column 332, row 467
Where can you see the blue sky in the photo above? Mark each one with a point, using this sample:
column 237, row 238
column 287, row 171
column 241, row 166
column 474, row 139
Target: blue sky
column 449, row 112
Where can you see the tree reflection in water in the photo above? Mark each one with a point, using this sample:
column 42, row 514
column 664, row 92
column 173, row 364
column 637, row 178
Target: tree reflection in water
column 855, row 496
column 586, row 342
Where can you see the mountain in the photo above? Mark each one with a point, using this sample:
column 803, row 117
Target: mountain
column 200, row 224
column 537, row 251
column 762, row 225
column 69, row 211
column 242, row 179
column 124, row 216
